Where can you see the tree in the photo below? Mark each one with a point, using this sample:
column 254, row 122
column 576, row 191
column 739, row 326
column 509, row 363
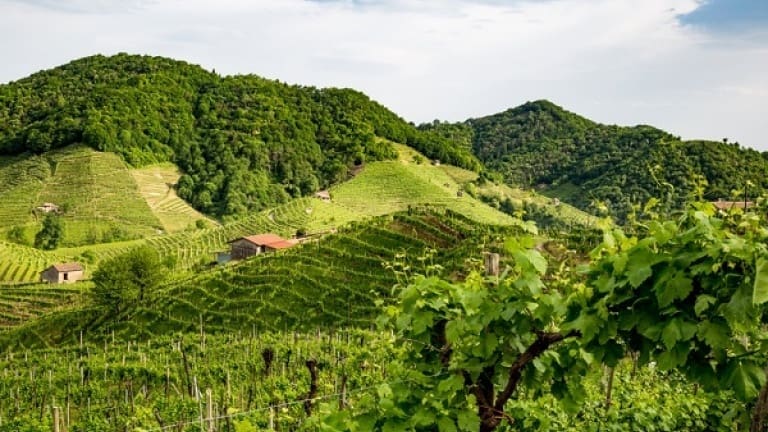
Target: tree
column 126, row 280
column 49, row 236
column 470, row 345
column 688, row 294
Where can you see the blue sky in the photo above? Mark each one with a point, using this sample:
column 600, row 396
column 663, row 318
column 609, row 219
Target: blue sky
column 729, row 15
column 695, row 68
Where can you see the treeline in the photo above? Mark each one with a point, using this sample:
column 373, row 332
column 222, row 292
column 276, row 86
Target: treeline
column 595, row 166
column 244, row 143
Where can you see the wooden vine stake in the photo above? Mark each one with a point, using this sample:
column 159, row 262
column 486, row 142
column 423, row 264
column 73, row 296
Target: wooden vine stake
column 492, row 264
column 209, row 409
column 56, row 419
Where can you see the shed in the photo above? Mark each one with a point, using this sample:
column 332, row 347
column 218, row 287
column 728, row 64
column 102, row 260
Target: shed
column 62, row 273
column 727, row 205
column 253, row 245
column 49, row 208
column 323, row 195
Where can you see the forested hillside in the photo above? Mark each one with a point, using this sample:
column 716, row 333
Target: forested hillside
column 244, row 142
column 585, row 163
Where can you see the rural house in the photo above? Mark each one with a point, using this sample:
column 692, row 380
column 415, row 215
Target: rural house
column 727, row 205
column 62, row 273
column 49, row 208
column 323, row 195
column 253, row 245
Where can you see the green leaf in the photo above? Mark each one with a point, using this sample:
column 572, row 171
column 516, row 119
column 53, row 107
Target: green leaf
column 744, row 378
column 677, row 288
column 453, row 331
column 451, row 385
column 760, row 290
column 677, row 330
column 716, row 335
column 445, row 424
column 639, row 266
column 468, row 421
column 702, row 303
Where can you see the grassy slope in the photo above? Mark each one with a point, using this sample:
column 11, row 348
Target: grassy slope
column 381, row 188
column 156, row 185
column 562, row 211
column 98, row 196
column 334, row 282
column 387, row 187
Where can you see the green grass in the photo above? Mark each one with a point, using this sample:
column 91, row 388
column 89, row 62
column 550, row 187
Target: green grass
column 391, row 186
column 156, row 184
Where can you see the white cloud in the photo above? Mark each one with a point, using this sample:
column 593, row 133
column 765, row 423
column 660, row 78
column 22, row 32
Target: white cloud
column 616, row 61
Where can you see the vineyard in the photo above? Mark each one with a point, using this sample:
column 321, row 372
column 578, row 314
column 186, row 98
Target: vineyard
column 381, row 188
column 340, row 280
column 170, row 383
column 252, row 380
column 21, row 180
column 156, row 184
column 20, row 304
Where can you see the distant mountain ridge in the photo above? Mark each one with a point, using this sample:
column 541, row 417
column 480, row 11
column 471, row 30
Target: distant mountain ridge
column 588, row 164
column 244, row 143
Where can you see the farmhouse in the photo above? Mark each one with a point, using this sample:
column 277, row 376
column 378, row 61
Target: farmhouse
column 49, row 208
column 323, row 195
column 62, row 273
column 727, row 205
column 256, row 244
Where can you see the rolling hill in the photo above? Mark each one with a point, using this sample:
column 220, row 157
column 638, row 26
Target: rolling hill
column 379, row 188
column 561, row 154
column 243, row 143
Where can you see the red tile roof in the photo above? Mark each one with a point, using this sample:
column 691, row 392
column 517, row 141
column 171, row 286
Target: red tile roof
column 264, row 239
column 283, row 244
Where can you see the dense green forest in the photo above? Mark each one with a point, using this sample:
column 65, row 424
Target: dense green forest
column 588, row 164
column 244, row 142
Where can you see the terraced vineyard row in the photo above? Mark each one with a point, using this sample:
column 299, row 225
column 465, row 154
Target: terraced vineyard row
column 163, row 382
column 21, row 303
column 99, row 196
column 21, row 180
column 338, row 281
column 156, row 184
column 191, row 248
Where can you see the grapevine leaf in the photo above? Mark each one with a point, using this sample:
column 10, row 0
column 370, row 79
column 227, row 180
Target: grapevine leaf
column 639, row 274
column 468, row 421
column 716, row 335
column 677, row 288
column 760, row 291
column 702, row 303
column 745, row 378
column 445, row 424
column 677, row 330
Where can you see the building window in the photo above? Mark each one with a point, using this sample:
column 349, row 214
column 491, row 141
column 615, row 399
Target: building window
column 66, row 276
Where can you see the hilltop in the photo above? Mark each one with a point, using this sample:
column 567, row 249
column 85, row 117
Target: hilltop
column 243, row 143
column 561, row 154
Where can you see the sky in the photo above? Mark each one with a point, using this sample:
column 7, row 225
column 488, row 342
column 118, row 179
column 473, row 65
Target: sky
column 695, row 68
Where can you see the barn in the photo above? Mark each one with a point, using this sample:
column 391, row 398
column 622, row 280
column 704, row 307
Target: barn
column 244, row 247
column 62, row 273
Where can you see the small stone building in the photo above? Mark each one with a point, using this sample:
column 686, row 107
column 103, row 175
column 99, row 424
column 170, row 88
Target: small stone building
column 48, row 208
column 253, row 245
column 728, row 205
column 323, row 195
column 62, row 273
